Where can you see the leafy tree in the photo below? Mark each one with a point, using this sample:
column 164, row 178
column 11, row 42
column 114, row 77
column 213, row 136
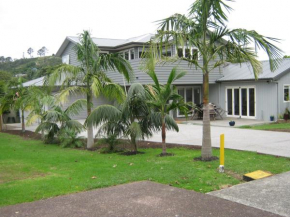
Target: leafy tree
column 205, row 29
column 30, row 51
column 131, row 119
column 285, row 57
column 2, row 59
column 90, row 78
column 44, row 50
column 8, row 59
column 40, row 52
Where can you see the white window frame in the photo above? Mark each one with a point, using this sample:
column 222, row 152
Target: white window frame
column 129, row 53
column 240, row 101
column 183, row 51
column 65, row 59
column 283, row 92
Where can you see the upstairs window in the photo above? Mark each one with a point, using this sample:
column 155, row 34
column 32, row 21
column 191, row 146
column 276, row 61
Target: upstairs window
column 65, row 59
column 286, row 93
column 191, row 53
column 180, row 52
column 126, row 55
column 132, row 54
column 166, row 53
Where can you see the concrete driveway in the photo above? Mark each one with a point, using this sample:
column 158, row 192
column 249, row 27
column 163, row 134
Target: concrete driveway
column 267, row 142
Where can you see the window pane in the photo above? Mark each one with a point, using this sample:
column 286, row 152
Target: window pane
column 194, row 54
column 167, row 53
column 230, row 101
column 188, row 95
column 244, row 102
column 127, row 55
column 132, row 54
column 181, row 93
column 180, row 52
column 252, row 101
column 196, row 96
column 286, row 93
column 187, row 52
column 237, row 101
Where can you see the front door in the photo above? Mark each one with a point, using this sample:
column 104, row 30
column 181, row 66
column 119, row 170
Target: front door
column 241, row 102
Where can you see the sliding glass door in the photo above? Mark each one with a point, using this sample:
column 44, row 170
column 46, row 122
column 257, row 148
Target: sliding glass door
column 241, row 102
column 190, row 94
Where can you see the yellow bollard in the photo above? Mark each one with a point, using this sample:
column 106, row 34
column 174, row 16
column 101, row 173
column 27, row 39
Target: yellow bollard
column 222, row 153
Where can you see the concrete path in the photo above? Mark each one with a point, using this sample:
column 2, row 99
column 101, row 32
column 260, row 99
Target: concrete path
column 134, row 199
column 270, row 194
column 267, row 142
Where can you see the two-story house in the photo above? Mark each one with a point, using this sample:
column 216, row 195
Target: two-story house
column 232, row 87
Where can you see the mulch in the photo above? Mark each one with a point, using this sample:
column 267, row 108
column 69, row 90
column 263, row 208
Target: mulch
column 26, row 135
column 141, row 144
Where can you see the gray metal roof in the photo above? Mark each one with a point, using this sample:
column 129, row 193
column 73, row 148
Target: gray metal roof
column 244, row 71
column 106, row 42
column 36, row 82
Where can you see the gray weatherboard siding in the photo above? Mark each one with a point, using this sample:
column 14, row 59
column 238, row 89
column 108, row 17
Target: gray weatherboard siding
column 193, row 76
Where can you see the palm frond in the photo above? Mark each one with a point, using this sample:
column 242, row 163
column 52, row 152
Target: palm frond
column 76, row 107
column 103, row 113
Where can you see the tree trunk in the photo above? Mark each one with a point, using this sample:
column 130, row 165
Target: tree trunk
column 133, row 141
column 90, row 132
column 1, row 123
column 42, row 132
column 163, row 134
column 206, row 150
column 23, row 121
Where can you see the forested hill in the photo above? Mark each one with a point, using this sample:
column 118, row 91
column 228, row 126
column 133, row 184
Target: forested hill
column 32, row 67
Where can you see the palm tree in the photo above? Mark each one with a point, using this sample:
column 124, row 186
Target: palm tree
column 56, row 120
column 40, row 100
column 205, row 29
column 131, row 119
column 16, row 97
column 163, row 99
column 90, row 77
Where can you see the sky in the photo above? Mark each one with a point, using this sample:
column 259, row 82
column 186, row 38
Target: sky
column 38, row 23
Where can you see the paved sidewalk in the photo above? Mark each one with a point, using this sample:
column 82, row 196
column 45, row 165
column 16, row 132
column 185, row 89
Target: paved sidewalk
column 134, row 199
column 270, row 194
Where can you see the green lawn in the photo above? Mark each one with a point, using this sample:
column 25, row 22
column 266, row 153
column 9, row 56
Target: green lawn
column 30, row 170
column 272, row 126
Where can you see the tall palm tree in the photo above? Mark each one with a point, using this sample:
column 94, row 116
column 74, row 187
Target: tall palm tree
column 131, row 119
column 205, row 29
column 90, row 77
